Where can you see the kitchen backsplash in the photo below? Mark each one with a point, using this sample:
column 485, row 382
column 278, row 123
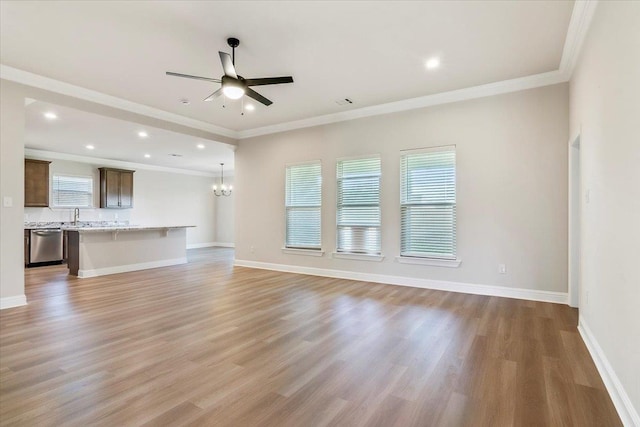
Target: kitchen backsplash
column 66, row 215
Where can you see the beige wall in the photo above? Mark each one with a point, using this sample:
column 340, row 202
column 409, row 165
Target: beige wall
column 512, row 192
column 11, row 185
column 160, row 198
column 605, row 110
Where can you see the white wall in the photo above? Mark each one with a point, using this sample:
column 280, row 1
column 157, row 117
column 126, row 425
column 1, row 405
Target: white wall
column 605, row 110
column 512, row 191
column 159, row 198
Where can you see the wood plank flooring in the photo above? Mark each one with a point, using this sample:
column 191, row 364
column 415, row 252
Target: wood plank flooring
column 207, row 344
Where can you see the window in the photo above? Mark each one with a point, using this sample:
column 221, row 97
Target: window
column 428, row 203
column 358, row 210
column 72, row 191
column 303, row 205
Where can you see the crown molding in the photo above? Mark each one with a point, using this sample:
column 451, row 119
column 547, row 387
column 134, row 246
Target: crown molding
column 581, row 16
column 53, row 155
column 490, row 89
column 52, row 85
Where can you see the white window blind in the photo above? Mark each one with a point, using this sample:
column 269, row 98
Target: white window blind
column 358, row 210
column 72, row 191
column 428, row 203
column 303, row 205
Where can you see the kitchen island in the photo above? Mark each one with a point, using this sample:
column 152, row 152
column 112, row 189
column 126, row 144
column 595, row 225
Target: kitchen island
column 98, row 251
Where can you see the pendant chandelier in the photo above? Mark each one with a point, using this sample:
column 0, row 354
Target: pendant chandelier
column 223, row 190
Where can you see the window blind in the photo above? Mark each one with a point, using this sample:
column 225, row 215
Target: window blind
column 358, row 206
column 428, row 203
column 303, row 203
column 72, row 191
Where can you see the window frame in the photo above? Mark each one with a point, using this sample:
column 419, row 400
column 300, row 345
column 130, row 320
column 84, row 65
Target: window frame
column 364, row 255
column 302, row 250
column 54, row 205
column 429, row 258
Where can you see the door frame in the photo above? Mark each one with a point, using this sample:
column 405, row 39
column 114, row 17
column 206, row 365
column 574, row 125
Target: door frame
column 575, row 221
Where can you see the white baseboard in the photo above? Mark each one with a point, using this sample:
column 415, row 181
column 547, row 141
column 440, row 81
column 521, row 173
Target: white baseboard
column 200, row 245
column 15, row 301
column 467, row 288
column 130, row 267
column 225, row 244
column 628, row 414
column 210, row 245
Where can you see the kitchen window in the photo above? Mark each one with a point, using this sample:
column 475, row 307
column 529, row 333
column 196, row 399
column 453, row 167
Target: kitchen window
column 428, row 205
column 72, row 191
column 303, row 206
column 358, row 206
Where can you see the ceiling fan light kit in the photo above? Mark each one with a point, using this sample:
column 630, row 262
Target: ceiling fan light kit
column 234, row 86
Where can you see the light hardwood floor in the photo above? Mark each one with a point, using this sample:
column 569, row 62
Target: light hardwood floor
column 206, row 344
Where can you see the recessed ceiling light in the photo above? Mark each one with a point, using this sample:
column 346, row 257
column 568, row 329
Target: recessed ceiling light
column 147, row 155
column 143, row 134
column 200, row 146
column 89, row 147
column 250, row 107
column 433, row 63
column 51, row 116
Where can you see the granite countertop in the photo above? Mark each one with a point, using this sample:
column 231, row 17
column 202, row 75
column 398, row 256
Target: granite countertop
column 112, row 228
column 96, row 226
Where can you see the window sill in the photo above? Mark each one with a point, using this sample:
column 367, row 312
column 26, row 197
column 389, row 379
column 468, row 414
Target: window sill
column 359, row 257
column 433, row 262
column 307, row 252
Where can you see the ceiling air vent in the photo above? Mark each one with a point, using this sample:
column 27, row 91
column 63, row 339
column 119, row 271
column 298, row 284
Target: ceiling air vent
column 344, row 101
column 175, row 155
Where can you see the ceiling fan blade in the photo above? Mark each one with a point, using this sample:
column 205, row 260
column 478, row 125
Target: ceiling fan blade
column 227, row 65
column 269, row 81
column 255, row 95
column 169, row 73
column 214, row 95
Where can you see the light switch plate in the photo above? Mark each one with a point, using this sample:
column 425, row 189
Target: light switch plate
column 7, row 201
column 502, row 269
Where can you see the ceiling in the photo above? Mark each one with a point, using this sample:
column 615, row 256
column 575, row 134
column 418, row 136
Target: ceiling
column 115, row 139
column 372, row 52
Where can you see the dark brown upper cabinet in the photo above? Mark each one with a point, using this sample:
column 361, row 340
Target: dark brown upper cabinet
column 116, row 188
column 36, row 183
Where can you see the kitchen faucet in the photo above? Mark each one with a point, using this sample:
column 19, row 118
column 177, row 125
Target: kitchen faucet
column 76, row 216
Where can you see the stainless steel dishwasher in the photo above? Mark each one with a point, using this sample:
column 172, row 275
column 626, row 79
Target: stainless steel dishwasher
column 45, row 245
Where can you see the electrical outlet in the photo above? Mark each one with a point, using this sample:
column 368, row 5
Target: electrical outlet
column 252, row 249
column 587, row 196
column 502, row 269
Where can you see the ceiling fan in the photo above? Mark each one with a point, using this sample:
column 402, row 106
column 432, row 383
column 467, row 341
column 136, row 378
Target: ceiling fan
column 235, row 86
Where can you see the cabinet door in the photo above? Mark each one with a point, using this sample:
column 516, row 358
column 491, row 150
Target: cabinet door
column 36, row 183
column 112, row 189
column 126, row 189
